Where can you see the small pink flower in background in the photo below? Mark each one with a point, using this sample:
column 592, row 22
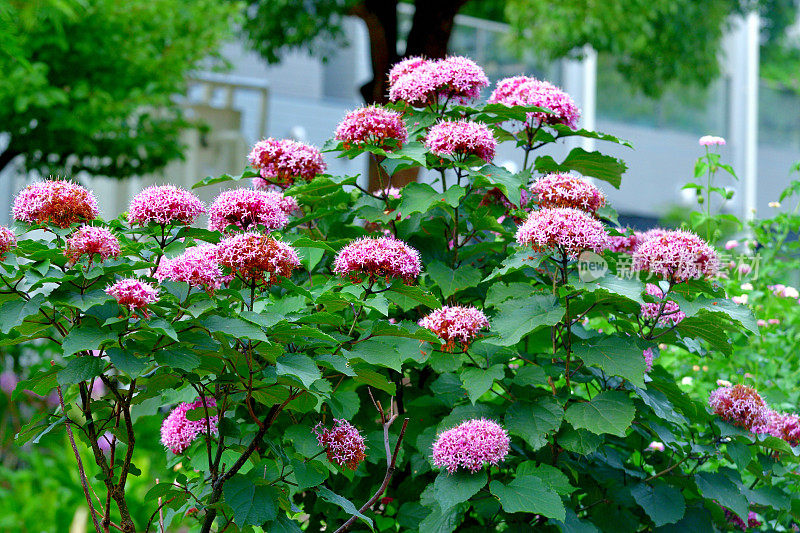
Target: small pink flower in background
column 569, row 230
column 282, row 161
column 91, row 240
column 134, row 294
column 741, row 300
column 710, row 140
column 97, row 388
column 735, row 521
column 343, row 444
column 455, row 323
column 164, row 205
column 687, row 380
column 656, row 446
column 178, row 432
column 252, row 256
column 724, row 383
column 105, row 441
column 744, row 269
column 55, row 202
column 198, row 266
column 248, row 208
column 670, row 313
column 371, row 125
column 677, row 256
column 730, row 245
column 525, row 91
column 774, row 321
column 378, row 257
column 391, row 192
column 740, row 405
column 696, row 368
column 8, row 241
column 761, row 323
column 648, row 359
column 747, row 286
column 8, row 381
column 784, row 291
column 566, row 190
column 471, row 445
column 460, row 139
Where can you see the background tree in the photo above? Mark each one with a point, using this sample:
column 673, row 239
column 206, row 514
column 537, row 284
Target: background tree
column 89, row 85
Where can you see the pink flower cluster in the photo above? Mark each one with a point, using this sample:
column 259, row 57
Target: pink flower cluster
column 248, row 208
column 460, row 139
column 784, row 291
column 282, row 161
column 8, row 241
column 372, row 125
column 55, row 202
column 471, row 445
column 710, row 140
column 421, row 82
column 624, row 243
column 670, row 314
column 648, row 360
column 676, row 256
column 257, row 257
column 133, row 293
column 91, row 240
column 566, row 190
column 164, row 205
column 735, row 521
column 455, row 323
column 178, row 432
column 569, row 230
column 743, row 406
column 378, row 257
column 343, row 444
column 525, row 91
column 198, row 266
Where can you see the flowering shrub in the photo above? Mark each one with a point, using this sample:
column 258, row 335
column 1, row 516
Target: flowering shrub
column 424, row 358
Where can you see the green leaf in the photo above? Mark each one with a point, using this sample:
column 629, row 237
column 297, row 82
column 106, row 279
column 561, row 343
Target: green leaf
column 211, row 180
column 86, row 337
column 451, row 489
column 530, row 375
column 594, row 164
column 299, row 366
column 521, row 259
column 80, row 369
column 573, row 524
column 510, row 184
column 234, row 327
column 252, row 504
column 14, row 312
column 528, row 494
column 126, row 361
column 443, row 521
column 181, row 359
column 662, row 503
column 309, row 474
column 550, row 475
column 617, row 356
column 717, row 486
column 421, row 198
column 451, row 281
column 417, row 294
column 711, row 329
column 519, row 317
column 608, row 412
column 477, row 380
column 388, row 352
column 348, row 507
column 534, row 421
column 579, row 441
column 717, row 306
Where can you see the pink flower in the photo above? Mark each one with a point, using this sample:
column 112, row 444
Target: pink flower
column 282, row 161
column 730, row 245
column 623, row 243
column 391, row 192
column 257, row 257
column 677, row 256
column 744, row 269
column 471, row 445
column 198, row 266
column 404, row 67
column 372, row 125
column 420, row 82
column 455, row 323
column 648, row 360
column 343, row 443
column 105, row 441
column 671, row 313
column 741, row 300
column 784, row 426
column 164, row 205
column 761, row 323
column 56, row 202
column 8, row 381
column 656, row 446
column 566, row 190
column 91, row 240
column 460, row 79
column 248, row 208
column 740, row 405
column 524, row 91
column 565, row 229
column 710, row 140
column 734, row 520
column 178, row 432
column 378, row 257
column 774, row 321
column 8, row 241
column 133, row 294
column 460, row 139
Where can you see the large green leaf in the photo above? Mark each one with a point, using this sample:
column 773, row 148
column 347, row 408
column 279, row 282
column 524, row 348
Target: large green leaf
column 86, row 337
column 451, row 489
column 416, row 293
column 608, row 412
column 594, row 164
column 617, row 356
column 662, row 503
column 234, row 327
column 348, row 507
column 388, row 352
column 510, row 184
column 477, row 380
column 421, row 198
column 520, row 260
column 579, row 441
column 14, row 312
column 309, row 473
column 534, row 421
column 80, row 369
column 528, row 494
column 252, row 504
column 717, row 306
column 717, row 486
column 300, row 366
column 519, row 317
column 552, row 476
column 451, row 281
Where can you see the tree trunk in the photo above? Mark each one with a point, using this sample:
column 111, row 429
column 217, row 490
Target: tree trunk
column 6, row 157
column 431, row 27
column 380, row 16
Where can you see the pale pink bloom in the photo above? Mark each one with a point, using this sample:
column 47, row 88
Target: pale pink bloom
column 656, row 446
column 775, row 204
column 97, row 388
column 420, row 82
column 455, row 323
column 724, row 383
column 257, row 257
column 744, row 269
column 623, row 243
column 566, row 190
column 471, row 445
column 246, row 209
column 404, row 67
column 91, row 240
column 343, row 444
column 569, row 230
column 747, row 286
column 648, row 359
column 55, row 202
column 741, row 300
column 710, row 140
column 740, row 405
column 391, row 192
column 198, row 266
column 525, row 91
column 178, row 432
column 282, row 161
column 372, row 125
column 784, row 426
column 164, row 205
column 730, row 245
column 378, row 257
column 774, row 321
column 105, row 441
column 460, row 139
column 687, row 380
column 670, row 314
column 8, row 241
column 8, row 381
column 761, row 323
column 677, row 256
column 133, row 293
